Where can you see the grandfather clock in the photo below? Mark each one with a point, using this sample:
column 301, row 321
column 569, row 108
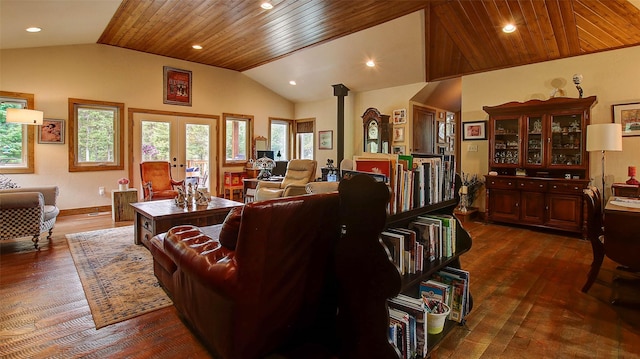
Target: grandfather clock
column 377, row 131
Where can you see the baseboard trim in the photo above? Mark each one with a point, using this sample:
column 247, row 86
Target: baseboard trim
column 85, row 210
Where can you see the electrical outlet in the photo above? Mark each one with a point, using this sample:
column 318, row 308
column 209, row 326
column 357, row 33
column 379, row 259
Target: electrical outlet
column 101, row 191
column 472, row 148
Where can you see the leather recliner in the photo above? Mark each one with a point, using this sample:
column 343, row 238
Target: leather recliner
column 299, row 173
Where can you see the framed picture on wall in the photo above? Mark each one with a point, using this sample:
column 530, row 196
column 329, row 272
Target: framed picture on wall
column 399, row 116
column 476, row 130
column 398, row 134
column 51, row 131
column 399, row 150
column 325, row 140
column 627, row 115
column 177, row 86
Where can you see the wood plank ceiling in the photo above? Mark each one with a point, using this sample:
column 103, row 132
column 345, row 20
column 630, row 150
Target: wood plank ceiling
column 462, row 36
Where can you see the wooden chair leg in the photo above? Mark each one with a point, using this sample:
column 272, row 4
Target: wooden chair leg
column 598, row 256
column 35, row 240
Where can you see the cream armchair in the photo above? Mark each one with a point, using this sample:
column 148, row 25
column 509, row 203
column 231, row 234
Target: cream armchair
column 28, row 212
column 299, row 173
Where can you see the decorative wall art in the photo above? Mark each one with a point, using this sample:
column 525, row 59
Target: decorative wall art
column 51, row 131
column 627, row 115
column 476, row 130
column 399, row 116
column 398, row 134
column 177, row 86
column 325, row 140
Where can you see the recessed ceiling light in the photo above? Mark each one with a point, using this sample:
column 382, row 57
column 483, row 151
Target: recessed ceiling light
column 292, row 83
column 509, row 28
column 370, row 63
column 33, row 29
column 197, row 47
column 266, row 5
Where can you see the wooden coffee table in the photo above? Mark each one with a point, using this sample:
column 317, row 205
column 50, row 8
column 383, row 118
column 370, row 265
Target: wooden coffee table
column 154, row 217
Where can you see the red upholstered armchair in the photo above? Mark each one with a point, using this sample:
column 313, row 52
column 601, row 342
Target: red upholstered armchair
column 156, row 180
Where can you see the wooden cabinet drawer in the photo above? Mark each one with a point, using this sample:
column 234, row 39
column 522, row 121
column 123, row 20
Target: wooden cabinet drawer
column 566, row 187
column 532, row 185
column 497, row 182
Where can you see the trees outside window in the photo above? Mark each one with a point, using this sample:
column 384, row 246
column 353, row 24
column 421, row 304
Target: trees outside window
column 280, row 137
column 95, row 129
column 16, row 140
column 237, row 138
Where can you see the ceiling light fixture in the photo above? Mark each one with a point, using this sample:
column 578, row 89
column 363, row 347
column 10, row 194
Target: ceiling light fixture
column 197, row 47
column 24, row 116
column 33, row 29
column 266, row 5
column 509, row 28
column 292, row 83
column 370, row 63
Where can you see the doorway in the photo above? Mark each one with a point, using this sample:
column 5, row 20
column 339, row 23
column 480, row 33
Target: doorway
column 187, row 142
column 424, row 130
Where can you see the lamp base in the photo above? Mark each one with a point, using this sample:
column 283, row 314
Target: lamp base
column 633, row 180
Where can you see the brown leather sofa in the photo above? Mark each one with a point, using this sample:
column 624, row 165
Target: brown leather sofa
column 264, row 283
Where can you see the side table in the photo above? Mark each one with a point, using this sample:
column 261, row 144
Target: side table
column 121, row 209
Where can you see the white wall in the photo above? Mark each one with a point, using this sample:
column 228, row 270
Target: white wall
column 612, row 76
column 106, row 73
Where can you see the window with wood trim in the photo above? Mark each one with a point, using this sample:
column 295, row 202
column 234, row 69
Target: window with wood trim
column 305, row 139
column 16, row 140
column 96, row 135
column 237, row 130
column 280, row 137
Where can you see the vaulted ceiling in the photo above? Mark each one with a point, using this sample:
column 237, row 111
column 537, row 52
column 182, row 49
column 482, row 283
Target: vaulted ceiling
column 461, row 36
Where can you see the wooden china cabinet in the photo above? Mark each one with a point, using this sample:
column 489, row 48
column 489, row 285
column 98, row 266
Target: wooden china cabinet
column 538, row 162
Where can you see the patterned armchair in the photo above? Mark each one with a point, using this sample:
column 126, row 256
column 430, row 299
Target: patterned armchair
column 28, row 212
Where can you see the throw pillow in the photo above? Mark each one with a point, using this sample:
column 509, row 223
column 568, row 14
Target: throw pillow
column 230, row 228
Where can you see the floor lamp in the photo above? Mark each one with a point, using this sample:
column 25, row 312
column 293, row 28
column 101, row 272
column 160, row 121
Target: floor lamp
column 604, row 137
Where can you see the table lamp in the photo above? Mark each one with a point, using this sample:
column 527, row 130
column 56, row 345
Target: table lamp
column 632, row 174
column 604, row 137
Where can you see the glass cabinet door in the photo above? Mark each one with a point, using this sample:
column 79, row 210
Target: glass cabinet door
column 566, row 141
column 506, row 143
column 534, row 142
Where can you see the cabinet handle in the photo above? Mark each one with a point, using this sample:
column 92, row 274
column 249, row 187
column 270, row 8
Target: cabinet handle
column 554, row 186
column 509, row 183
column 576, row 188
column 521, row 184
column 517, row 204
column 493, row 182
column 541, row 185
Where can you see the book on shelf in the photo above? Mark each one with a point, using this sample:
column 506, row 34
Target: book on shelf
column 437, row 231
column 425, row 236
column 433, row 289
column 418, row 335
column 460, row 297
column 403, row 329
column 395, row 245
column 415, row 180
column 410, row 250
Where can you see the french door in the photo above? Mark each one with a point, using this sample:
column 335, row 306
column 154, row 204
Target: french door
column 188, row 143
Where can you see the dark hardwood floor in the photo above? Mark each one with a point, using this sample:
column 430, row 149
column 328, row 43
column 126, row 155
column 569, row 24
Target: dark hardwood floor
column 525, row 285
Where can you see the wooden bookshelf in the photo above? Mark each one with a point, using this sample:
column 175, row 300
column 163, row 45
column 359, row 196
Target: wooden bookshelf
column 411, row 282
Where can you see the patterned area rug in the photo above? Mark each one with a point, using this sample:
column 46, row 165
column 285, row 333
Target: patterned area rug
column 116, row 274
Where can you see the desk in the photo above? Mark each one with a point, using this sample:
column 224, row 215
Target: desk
column 625, row 190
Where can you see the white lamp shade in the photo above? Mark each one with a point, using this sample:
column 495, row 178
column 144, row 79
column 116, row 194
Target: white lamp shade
column 25, row 116
column 604, row 137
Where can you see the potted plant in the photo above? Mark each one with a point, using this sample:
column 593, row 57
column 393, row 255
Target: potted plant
column 473, row 183
column 123, row 184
